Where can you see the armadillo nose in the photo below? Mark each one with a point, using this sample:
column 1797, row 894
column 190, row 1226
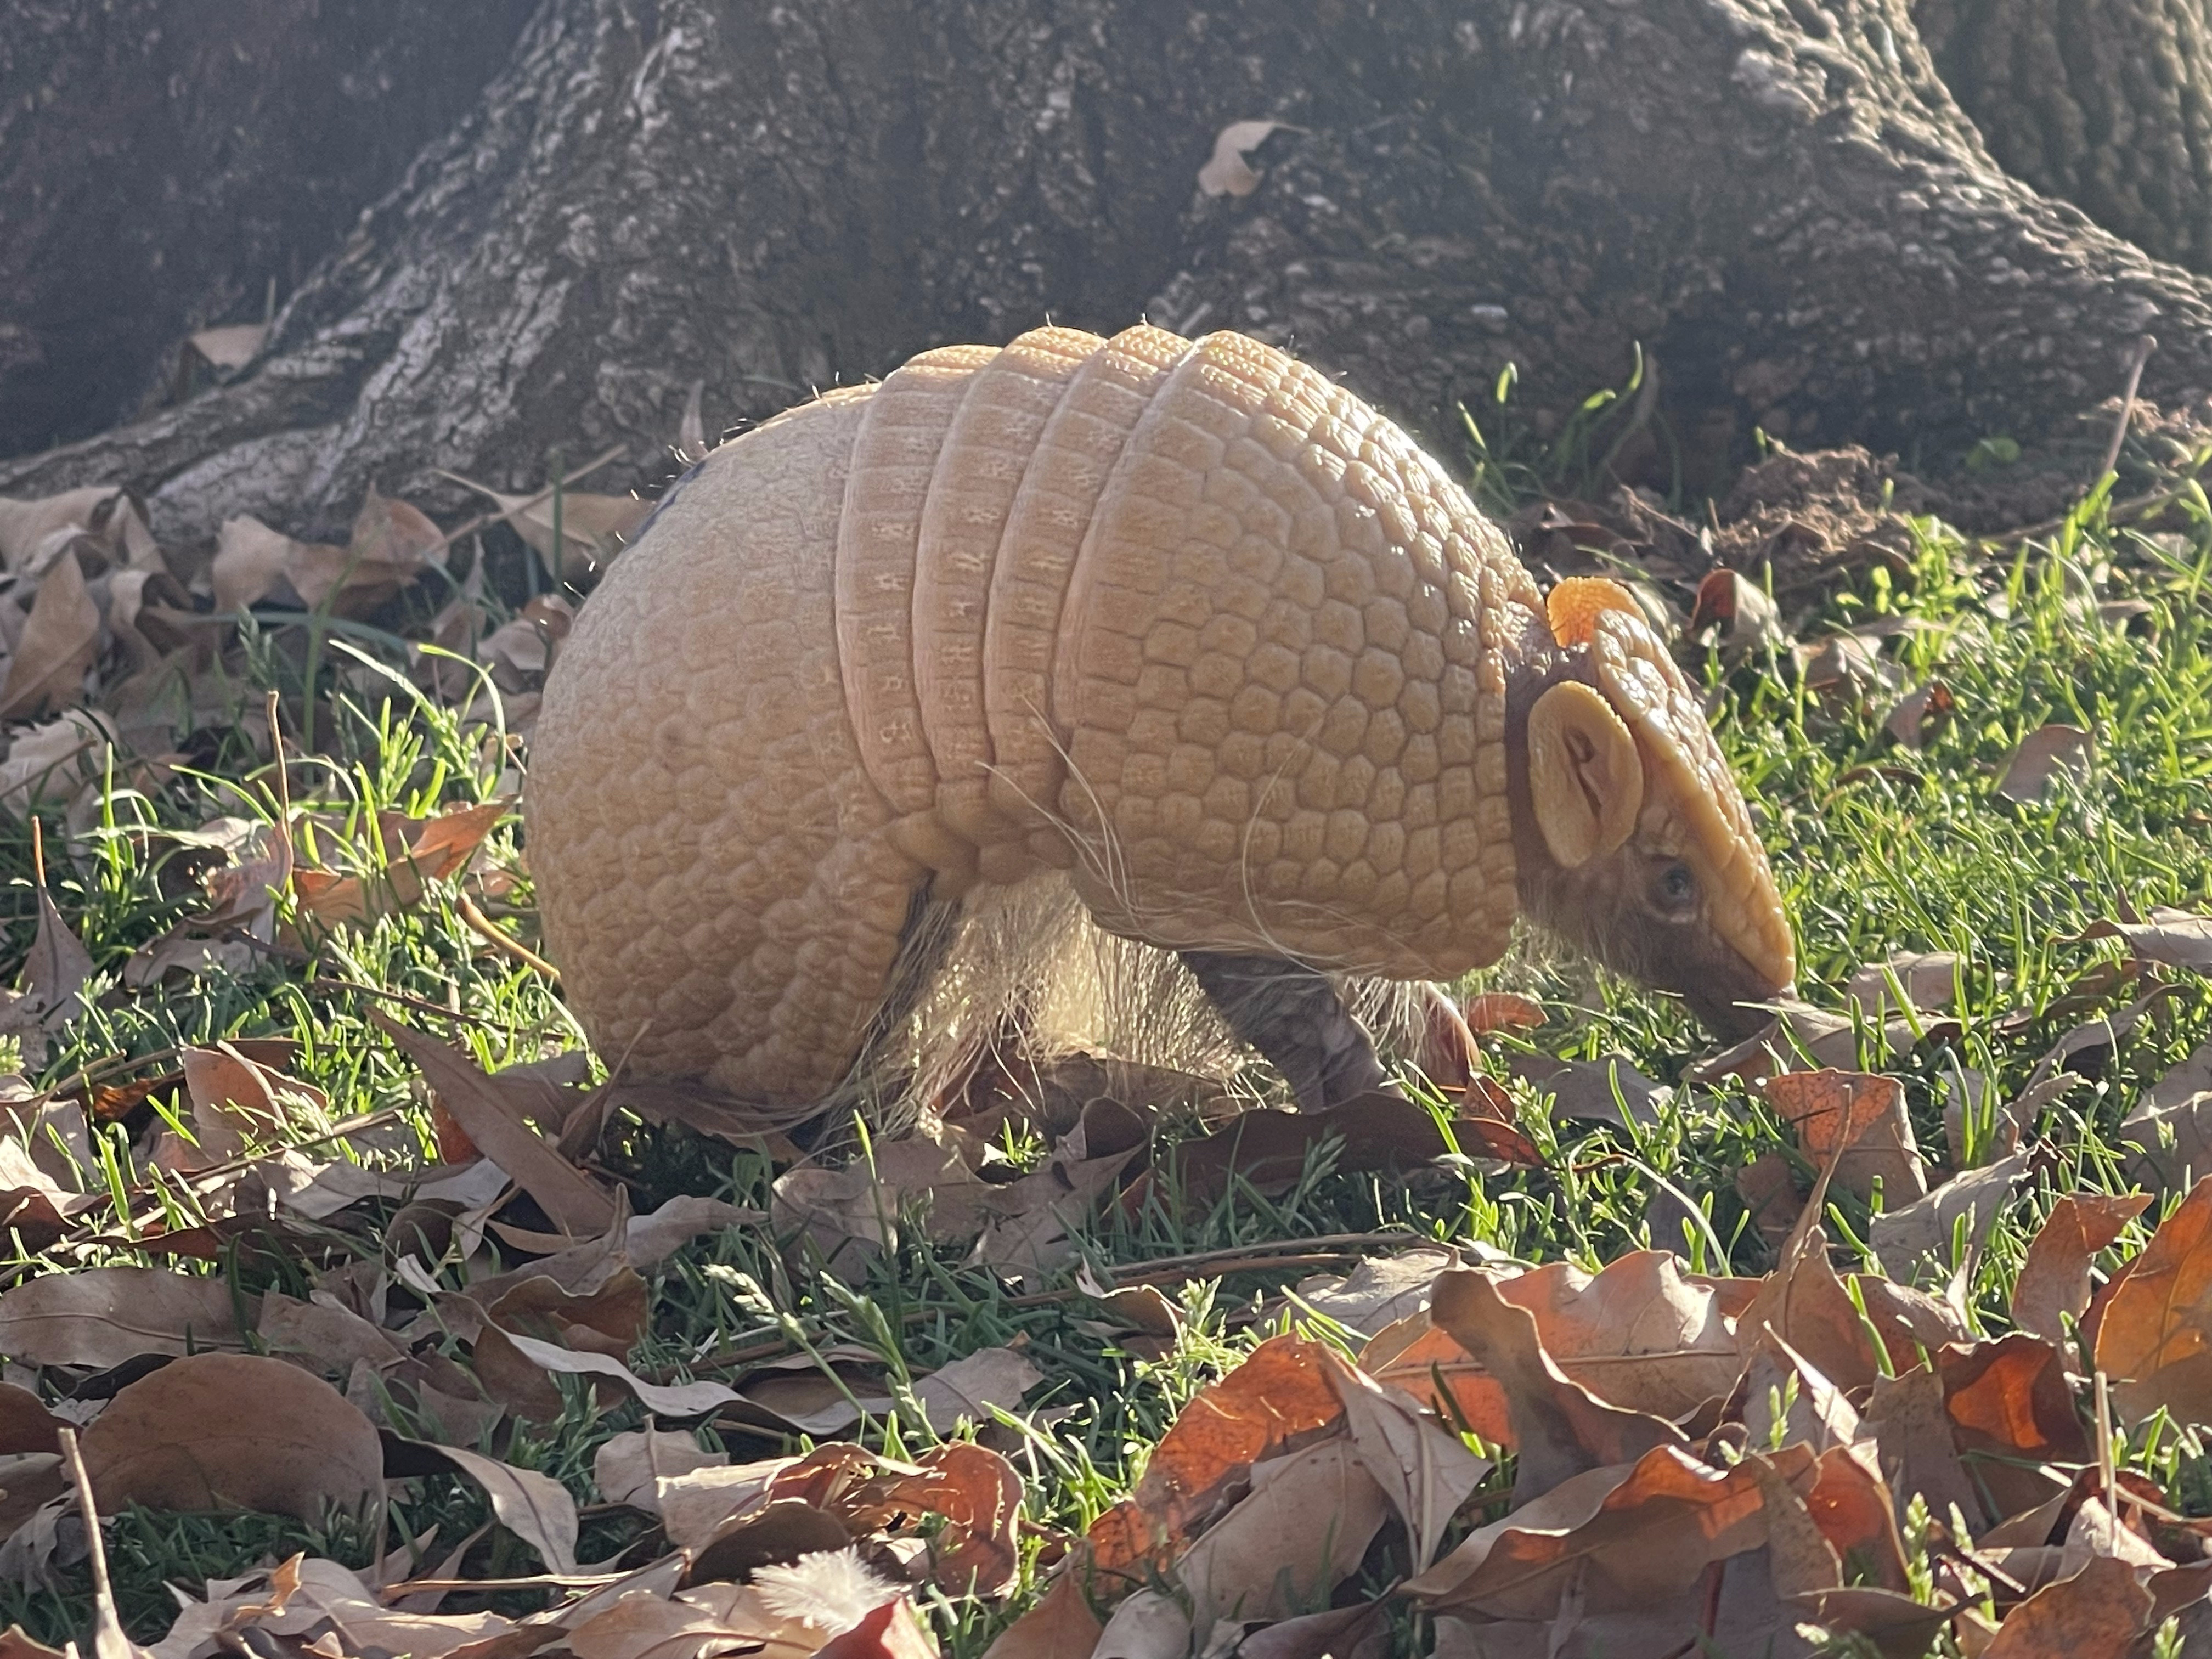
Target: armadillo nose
column 1731, row 1005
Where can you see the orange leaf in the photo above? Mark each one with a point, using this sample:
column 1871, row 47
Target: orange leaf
column 2152, row 1339
column 1280, row 1394
column 2054, row 1280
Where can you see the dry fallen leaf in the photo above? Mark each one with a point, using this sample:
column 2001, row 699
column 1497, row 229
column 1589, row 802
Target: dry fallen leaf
column 1920, row 1236
column 222, row 1431
column 59, row 645
column 592, row 527
column 2179, row 938
column 102, row 1316
column 1226, row 172
column 2054, row 1280
column 2046, row 753
column 626, row 1465
column 1865, row 1112
column 2153, row 1338
column 536, row 1508
column 416, row 851
column 1560, row 1428
column 567, row 1194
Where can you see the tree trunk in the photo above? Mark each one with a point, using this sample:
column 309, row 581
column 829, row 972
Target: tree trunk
column 1781, row 203
column 163, row 161
column 2105, row 103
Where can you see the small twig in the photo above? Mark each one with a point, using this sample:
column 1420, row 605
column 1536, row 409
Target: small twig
column 108, row 1639
column 2144, row 345
column 504, row 942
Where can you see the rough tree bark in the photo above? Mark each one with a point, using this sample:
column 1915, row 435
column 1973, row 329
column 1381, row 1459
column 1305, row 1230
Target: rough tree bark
column 1780, row 200
column 2104, row 103
column 161, row 161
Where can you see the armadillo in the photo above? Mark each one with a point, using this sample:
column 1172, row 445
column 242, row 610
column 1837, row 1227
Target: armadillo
column 1185, row 624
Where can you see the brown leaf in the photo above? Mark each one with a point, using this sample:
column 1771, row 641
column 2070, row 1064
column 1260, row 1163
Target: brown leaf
column 1806, row 1306
column 969, row 1388
column 1920, row 715
column 1309, row 1518
column 230, row 346
column 1636, row 1536
column 1637, row 1335
column 59, row 645
column 851, row 1214
column 592, row 527
column 1226, row 172
column 418, row 851
column 534, row 1507
column 2012, row 1414
column 1746, row 615
column 1281, row 1392
column 235, row 1098
column 1594, row 1091
column 220, row 1430
column 1426, row 1472
column 1378, row 1292
column 2096, row 1614
column 2178, row 937
column 1559, row 1429
column 2152, row 1339
column 892, row 1631
column 1060, row 1626
column 1865, row 1112
column 1503, row 1011
column 626, row 1465
column 2045, row 754
column 1920, row 1235
column 567, row 1194
column 2054, row 1280
column 54, row 761
column 666, row 1400
column 1269, row 1150
column 1907, row 1419
column 56, row 968
column 102, row 1316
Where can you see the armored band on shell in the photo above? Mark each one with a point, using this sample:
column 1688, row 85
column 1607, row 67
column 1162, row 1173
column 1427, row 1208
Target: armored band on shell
column 1186, row 621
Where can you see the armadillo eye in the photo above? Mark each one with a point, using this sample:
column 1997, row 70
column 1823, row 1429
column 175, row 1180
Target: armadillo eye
column 1674, row 890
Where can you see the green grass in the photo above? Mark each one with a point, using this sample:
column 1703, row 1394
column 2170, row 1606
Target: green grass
column 1879, row 849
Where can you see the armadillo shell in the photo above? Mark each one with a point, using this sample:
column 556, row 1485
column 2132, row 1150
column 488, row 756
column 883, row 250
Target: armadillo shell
column 1236, row 657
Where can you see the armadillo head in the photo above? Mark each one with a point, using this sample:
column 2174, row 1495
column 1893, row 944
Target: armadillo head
column 1632, row 837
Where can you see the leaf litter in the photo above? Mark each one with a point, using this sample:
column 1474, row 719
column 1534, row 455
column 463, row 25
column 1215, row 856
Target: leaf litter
column 240, row 1298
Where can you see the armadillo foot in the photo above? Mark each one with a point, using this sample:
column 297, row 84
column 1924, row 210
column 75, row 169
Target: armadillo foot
column 1295, row 1018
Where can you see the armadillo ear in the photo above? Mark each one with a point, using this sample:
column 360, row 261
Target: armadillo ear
column 1584, row 774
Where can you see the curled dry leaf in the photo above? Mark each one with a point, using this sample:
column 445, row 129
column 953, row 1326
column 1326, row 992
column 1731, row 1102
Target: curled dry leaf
column 1378, row 1292
column 1921, row 1236
column 1282, row 1390
column 1226, row 172
column 592, row 527
column 221, row 1430
column 971, row 1388
column 2045, row 754
column 1744, row 613
column 2054, row 1281
column 54, row 761
column 417, row 851
column 1638, row 1535
column 1921, row 714
column 2180, row 938
column 1309, row 1518
column 1560, row 1428
column 626, row 1465
column 567, row 1194
column 536, row 1508
column 59, row 645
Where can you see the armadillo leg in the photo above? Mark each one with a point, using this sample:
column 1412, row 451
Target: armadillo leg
column 1295, row 1018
